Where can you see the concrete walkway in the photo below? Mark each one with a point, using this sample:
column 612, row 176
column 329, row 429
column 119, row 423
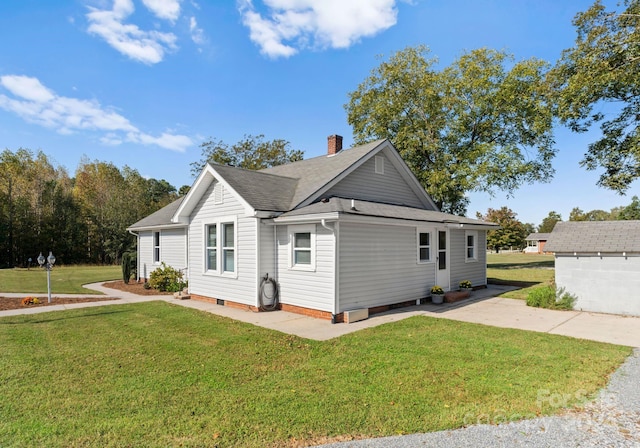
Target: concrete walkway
column 483, row 308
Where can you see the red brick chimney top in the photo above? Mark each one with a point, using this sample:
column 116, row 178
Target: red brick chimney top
column 334, row 144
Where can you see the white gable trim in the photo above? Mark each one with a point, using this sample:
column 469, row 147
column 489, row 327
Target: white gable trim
column 198, row 189
column 396, row 161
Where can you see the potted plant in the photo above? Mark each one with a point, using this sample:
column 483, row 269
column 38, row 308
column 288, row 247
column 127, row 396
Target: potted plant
column 465, row 285
column 437, row 294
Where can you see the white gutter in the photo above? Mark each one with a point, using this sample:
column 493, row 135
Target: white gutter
column 336, row 271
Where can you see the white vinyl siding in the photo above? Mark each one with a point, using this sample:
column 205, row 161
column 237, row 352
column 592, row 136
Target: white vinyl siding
column 475, row 272
column 309, row 289
column 173, row 243
column 366, row 185
column 378, row 266
column 239, row 286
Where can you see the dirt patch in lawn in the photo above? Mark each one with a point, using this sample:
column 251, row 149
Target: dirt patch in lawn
column 15, row 303
column 134, row 288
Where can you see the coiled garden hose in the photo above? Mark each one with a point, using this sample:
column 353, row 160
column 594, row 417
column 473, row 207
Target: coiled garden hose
column 275, row 299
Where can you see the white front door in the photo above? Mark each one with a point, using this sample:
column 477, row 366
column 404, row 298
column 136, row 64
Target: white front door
column 442, row 258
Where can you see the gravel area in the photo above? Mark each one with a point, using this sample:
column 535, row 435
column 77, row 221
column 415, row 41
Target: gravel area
column 612, row 420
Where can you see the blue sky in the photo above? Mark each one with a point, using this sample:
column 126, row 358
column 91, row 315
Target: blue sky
column 144, row 82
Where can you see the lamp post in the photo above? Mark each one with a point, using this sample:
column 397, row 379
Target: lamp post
column 47, row 264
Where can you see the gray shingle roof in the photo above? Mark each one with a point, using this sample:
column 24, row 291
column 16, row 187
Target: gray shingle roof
column 160, row 218
column 365, row 208
column 538, row 237
column 595, row 236
column 315, row 173
column 263, row 191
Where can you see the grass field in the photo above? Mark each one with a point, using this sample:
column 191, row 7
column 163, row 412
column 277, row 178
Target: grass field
column 64, row 279
column 526, row 271
column 157, row 374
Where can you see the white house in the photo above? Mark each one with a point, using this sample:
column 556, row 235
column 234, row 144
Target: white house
column 536, row 243
column 350, row 230
column 599, row 262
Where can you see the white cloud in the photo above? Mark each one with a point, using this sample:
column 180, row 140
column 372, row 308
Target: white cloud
column 197, row 34
column 164, row 9
column 148, row 47
column 294, row 24
column 35, row 103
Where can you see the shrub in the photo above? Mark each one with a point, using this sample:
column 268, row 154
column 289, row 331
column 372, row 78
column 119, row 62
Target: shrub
column 437, row 290
column 465, row 284
column 549, row 297
column 166, row 278
column 128, row 266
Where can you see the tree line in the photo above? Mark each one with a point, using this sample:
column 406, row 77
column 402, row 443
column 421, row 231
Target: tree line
column 81, row 219
column 84, row 218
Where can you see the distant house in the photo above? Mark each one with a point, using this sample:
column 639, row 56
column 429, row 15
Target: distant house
column 536, row 243
column 599, row 262
column 350, row 230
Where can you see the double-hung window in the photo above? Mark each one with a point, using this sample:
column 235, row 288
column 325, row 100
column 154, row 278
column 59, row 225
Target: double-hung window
column 156, row 247
column 220, row 247
column 228, row 247
column 212, row 247
column 302, row 243
column 471, row 243
column 424, row 246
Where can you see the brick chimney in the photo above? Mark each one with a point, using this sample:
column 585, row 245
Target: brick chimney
column 334, row 144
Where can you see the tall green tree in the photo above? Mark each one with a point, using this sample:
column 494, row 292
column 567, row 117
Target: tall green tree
column 251, row 153
column 512, row 232
column 549, row 222
column 484, row 123
column 598, row 81
column 631, row 211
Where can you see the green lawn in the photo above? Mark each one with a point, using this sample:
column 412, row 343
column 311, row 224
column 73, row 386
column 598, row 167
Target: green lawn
column 524, row 270
column 156, row 374
column 64, row 279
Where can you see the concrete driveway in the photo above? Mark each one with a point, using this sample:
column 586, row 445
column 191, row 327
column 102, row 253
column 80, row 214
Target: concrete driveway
column 482, row 308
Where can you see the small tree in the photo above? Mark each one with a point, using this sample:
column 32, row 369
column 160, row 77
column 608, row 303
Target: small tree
column 512, row 233
column 128, row 266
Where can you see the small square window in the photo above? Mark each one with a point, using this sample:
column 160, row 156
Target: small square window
column 302, row 247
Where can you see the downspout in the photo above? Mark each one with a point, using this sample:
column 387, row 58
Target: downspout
column 333, row 230
column 137, row 254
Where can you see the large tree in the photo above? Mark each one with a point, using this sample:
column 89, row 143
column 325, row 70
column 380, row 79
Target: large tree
column 251, row 153
column 598, row 81
column 484, row 123
column 631, row 211
column 512, row 232
column 549, row 222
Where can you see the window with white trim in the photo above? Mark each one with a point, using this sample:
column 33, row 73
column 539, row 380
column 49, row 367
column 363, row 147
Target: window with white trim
column 211, row 247
column 471, row 245
column 220, row 256
column 424, row 246
column 302, row 247
column 228, row 247
column 156, row 247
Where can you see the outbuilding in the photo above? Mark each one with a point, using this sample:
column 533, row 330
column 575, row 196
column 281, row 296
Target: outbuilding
column 599, row 263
